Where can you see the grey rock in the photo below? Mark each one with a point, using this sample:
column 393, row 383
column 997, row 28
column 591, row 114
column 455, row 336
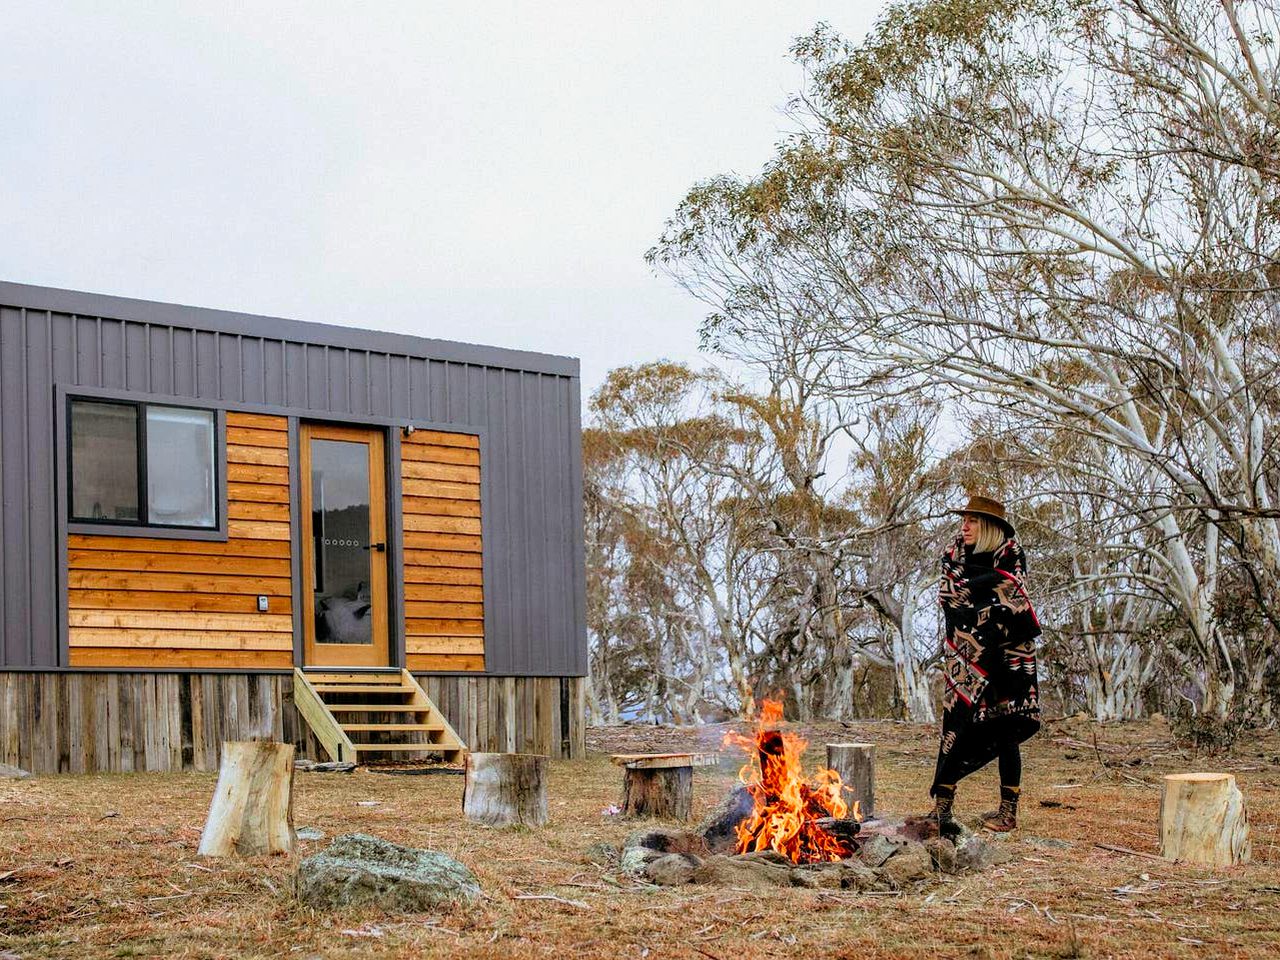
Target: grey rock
column 672, row 869
column 976, row 852
column 822, row 876
column 765, row 856
column 8, row 772
column 604, row 854
column 943, row 854
column 875, row 850
column 845, row 875
column 665, row 840
column 720, row 827
column 634, row 860
column 753, row 873
column 909, row 865
column 360, row 870
column 309, row 833
column 856, row 875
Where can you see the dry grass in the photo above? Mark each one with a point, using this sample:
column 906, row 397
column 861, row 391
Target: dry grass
column 105, row 866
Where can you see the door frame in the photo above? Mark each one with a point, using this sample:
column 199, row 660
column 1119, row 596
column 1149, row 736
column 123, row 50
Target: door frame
column 379, row 654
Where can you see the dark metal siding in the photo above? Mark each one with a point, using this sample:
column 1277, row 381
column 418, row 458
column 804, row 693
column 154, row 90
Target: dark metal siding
column 526, row 404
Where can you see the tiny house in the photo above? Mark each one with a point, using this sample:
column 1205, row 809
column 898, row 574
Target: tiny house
column 215, row 525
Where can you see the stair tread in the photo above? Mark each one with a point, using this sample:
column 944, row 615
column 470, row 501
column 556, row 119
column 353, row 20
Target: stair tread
column 425, row 747
column 424, row 727
column 378, row 707
column 389, row 679
column 362, row 688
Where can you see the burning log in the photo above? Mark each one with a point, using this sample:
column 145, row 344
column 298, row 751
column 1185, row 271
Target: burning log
column 844, row 829
column 501, row 789
column 789, row 810
column 1203, row 820
column 856, row 764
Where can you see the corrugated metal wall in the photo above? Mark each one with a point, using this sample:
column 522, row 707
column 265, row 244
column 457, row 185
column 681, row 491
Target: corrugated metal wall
column 527, row 405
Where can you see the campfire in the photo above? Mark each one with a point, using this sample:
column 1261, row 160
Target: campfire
column 806, row 819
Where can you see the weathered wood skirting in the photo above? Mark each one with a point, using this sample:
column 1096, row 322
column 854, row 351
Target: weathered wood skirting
column 83, row 722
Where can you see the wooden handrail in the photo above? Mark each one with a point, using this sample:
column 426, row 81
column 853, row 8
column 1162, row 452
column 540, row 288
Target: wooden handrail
column 322, row 723
column 456, row 749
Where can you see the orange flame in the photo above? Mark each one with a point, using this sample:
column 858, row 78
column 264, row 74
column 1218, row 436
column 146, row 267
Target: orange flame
column 787, row 805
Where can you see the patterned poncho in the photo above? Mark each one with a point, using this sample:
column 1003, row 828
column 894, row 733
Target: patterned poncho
column 990, row 660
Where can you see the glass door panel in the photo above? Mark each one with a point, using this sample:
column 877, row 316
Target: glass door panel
column 344, row 545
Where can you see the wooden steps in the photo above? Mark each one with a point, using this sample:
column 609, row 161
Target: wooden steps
column 323, row 697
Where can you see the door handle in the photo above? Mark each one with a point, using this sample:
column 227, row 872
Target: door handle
column 380, row 547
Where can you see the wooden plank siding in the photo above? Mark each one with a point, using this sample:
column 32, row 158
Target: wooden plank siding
column 87, row 722
column 443, row 578
column 151, row 602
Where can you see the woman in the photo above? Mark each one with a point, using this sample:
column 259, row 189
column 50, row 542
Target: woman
column 990, row 704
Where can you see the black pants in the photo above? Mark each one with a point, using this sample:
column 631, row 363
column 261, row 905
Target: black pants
column 959, row 763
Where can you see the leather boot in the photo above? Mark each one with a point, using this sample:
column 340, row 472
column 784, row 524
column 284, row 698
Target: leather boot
column 944, row 798
column 1006, row 818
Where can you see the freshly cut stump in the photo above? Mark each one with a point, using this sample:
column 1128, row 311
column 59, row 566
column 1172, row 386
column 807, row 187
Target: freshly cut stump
column 665, row 791
column 501, row 789
column 856, row 764
column 1203, row 820
column 252, row 809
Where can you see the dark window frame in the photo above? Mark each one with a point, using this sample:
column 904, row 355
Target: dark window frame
column 143, row 525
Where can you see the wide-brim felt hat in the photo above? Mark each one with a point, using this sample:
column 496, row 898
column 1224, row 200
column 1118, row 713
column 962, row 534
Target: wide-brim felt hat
column 991, row 509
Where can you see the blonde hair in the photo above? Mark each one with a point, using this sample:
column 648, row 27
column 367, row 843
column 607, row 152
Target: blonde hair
column 990, row 534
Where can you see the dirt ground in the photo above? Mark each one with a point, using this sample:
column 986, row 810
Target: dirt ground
column 106, row 866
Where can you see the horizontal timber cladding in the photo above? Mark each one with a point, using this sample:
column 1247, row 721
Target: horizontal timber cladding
column 443, row 560
column 85, row 721
column 525, row 408
column 144, row 602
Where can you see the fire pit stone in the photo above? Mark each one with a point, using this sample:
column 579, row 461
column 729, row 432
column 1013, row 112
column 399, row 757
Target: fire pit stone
column 877, row 849
column 908, row 865
column 889, row 858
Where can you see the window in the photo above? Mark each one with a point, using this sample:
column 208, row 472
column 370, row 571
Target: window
column 143, row 464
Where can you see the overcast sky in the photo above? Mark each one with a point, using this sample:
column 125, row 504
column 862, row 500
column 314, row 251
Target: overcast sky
column 484, row 172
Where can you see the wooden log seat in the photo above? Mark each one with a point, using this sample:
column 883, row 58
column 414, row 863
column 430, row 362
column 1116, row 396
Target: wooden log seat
column 659, row 784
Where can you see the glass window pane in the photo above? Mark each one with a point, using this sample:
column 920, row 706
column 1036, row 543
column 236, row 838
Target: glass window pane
column 340, row 528
column 104, row 461
column 181, row 480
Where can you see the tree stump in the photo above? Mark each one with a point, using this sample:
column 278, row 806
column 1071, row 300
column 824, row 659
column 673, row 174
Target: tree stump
column 252, row 809
column 1203, row 820
column 501, row 789
column 856, row 764
column 660, row 787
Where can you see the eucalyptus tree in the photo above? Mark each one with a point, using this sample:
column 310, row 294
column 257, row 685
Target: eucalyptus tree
column 1062, row 212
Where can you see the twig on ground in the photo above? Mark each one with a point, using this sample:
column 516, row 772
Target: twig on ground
column 547, row 896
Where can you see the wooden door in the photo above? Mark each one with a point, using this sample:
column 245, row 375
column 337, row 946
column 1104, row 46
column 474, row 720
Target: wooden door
column 344, row 546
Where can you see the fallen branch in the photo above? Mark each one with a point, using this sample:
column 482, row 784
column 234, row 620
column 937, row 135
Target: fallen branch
column 1133, row 853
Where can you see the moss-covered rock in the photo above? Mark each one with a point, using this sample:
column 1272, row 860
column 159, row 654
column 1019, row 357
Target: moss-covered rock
column 360, row 870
